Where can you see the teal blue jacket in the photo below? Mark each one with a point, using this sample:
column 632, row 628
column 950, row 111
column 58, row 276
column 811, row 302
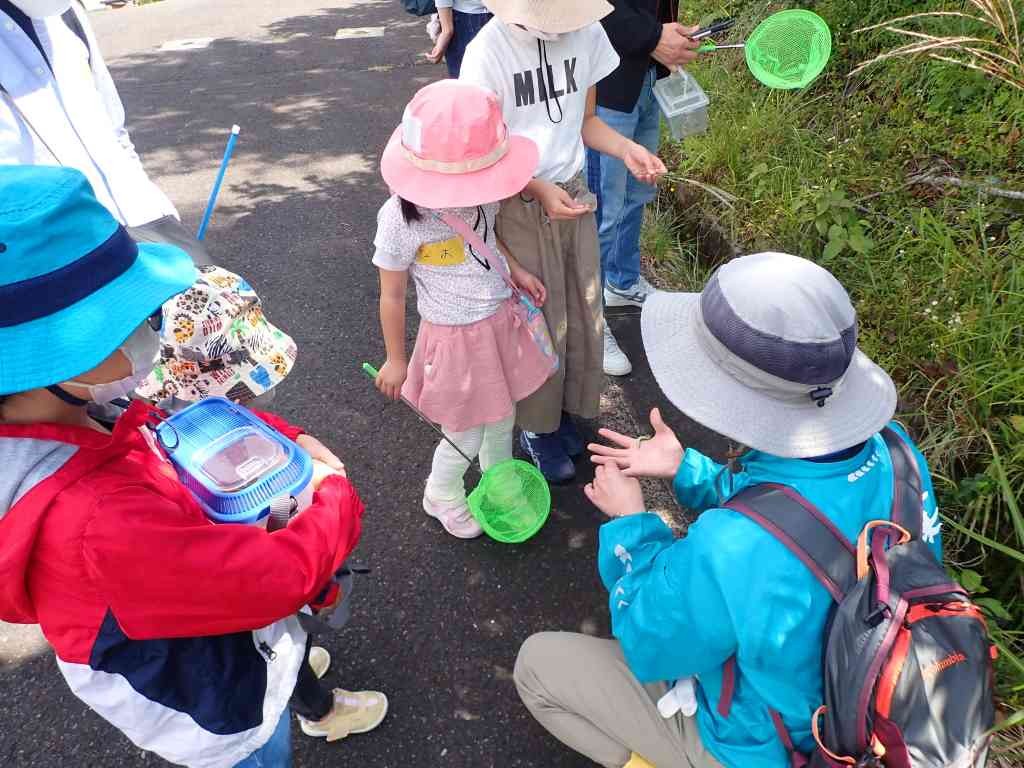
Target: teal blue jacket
column 682, row 607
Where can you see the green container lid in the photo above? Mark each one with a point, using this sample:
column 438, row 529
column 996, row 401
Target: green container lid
column 512, row 501
column 789, row 49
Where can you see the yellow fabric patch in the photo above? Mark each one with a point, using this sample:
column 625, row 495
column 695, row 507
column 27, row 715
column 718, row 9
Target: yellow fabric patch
column 638, row 762
column 447, row 253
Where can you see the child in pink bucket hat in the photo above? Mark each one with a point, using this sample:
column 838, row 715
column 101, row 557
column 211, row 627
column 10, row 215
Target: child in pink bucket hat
column 449, row 165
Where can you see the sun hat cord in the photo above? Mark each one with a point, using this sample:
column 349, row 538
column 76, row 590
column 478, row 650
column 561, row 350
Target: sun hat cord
column 542, row 53
column 61, row 394
column 482, row 261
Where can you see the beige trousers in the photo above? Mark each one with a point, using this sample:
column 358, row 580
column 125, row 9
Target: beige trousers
column 566, row 256
column 581, row 690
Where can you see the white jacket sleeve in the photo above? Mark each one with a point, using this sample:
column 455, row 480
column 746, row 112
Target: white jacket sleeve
column 106, row 88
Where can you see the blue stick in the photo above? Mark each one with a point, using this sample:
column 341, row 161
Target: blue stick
column 228, row 151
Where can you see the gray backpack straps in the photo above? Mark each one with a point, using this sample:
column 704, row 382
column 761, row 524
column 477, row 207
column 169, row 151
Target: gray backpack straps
column 812, row 537
column 907, row 493
column 804, row 530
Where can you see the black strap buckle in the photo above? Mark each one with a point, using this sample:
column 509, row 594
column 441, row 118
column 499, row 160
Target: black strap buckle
column 820, row 395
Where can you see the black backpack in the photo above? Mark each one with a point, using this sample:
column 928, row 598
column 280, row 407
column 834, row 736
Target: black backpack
column 907, row 662
column 419, row 7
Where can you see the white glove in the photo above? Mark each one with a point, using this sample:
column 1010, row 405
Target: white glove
column 682, row 697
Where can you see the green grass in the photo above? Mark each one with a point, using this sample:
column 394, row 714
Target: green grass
column 936, row 273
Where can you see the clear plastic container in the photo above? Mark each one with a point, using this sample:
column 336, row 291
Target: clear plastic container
column 240, row 458
column 684, row 104
column 233, row 463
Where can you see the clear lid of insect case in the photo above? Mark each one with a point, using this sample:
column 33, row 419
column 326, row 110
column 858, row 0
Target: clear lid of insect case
column 240, row 458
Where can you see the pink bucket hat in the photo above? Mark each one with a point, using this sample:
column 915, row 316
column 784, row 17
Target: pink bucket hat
column 453, row 149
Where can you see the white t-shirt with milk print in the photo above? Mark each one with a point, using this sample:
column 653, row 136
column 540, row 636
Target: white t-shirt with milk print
column 543, row 87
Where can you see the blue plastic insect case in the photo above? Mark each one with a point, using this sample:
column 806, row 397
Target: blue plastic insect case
column 233, row 462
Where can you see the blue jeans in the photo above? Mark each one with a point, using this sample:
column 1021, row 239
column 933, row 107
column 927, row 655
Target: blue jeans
column 467, row 25
column 276, row 753
column 620, row 197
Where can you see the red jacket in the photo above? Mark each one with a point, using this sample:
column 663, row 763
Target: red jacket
column 107, row 551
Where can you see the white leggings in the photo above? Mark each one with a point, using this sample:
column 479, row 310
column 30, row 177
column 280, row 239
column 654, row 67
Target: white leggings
column 492, row 442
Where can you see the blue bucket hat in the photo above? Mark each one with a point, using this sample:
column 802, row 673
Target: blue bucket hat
column 73, row 283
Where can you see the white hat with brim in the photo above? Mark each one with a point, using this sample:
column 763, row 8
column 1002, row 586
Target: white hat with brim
column 553, row 16
column 712, row 385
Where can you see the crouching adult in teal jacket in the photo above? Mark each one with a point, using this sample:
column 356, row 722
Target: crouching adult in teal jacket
column 766, row 355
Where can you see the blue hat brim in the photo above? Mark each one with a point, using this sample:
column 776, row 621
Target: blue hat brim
column 66, row 344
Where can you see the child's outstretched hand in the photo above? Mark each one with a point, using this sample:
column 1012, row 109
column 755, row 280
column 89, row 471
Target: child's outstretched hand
column 646, row 166
column 529, row 283
column 391, row 378
column 658, row 456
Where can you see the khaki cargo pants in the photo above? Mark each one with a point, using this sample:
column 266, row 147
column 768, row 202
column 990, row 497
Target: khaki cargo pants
column 566, row 256
column 581, row 690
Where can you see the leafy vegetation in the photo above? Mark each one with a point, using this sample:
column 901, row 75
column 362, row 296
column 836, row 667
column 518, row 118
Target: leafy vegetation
column 905, row 180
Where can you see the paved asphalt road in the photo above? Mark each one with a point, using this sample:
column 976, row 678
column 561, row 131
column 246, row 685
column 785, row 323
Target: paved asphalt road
column 439, row 621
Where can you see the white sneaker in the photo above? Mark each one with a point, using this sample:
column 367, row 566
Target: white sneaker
column 634, row 296
column 615, row 361
column 455, row 517
column 319, row 661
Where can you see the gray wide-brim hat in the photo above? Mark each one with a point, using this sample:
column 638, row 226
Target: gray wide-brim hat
column 553, row 16
column 767, row 356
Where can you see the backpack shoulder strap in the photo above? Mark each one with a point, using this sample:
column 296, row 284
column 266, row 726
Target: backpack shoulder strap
column 70, row 18
column 907, row 502
column 804, row 530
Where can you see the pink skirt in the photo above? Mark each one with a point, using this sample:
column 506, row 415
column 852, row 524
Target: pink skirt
column 463, row 376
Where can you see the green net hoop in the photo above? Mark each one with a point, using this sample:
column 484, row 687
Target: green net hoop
column 512, row 501
column 789, row 49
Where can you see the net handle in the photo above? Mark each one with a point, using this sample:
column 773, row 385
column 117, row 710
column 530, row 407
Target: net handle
column 712, row 47
column 373, row 373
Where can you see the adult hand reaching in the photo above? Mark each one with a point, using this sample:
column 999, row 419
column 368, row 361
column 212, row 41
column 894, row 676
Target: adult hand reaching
column 446, row 19
column 657, row 456
column 614, row 493
column 437, row 53
column 676, row 47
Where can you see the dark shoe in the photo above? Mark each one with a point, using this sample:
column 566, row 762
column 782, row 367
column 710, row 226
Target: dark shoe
column 547, row 453
column 571, row 440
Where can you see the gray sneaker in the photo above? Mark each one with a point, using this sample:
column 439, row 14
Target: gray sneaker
column 634, row 296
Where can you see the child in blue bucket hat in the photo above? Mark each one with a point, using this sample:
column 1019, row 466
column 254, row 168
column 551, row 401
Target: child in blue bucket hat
column 180, row 633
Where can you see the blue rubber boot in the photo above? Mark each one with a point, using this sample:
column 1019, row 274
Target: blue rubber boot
column 572, row 443
column 547, row 453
